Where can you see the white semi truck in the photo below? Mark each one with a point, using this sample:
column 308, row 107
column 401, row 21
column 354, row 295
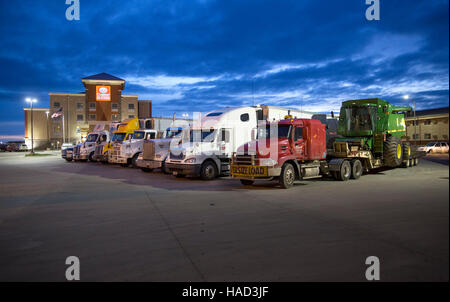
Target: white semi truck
column 155, row 151
column 126, row 152
column 217, row 135
column 85, row 151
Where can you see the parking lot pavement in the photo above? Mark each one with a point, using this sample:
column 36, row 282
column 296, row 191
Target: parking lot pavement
column 127, row 225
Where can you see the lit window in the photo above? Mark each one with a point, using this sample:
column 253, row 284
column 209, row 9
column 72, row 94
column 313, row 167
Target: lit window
column 114, row 106
column 80, row 106
column 91, row 106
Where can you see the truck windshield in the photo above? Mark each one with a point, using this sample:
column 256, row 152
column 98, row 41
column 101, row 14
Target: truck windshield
column 280, row 131
column 172, row 132
column 201, row 135
column 359, row 118
column 118, row 137
column 138, row 135
column 91, row 138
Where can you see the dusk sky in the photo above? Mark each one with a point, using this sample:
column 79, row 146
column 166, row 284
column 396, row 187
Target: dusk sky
column 199, row 55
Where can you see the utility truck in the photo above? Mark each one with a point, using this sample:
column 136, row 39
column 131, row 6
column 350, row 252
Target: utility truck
column 214, row 137
column 372, row 134
column 155, row 151
column 122, row 131
column 85, row 151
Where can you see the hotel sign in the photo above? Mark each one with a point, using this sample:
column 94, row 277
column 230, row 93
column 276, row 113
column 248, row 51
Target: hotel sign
column 103, row 93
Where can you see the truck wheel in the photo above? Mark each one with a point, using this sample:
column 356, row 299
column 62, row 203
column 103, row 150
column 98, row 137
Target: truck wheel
column 68, row 159
column 163, row 168
column 357, row 169
column 208, row 170
column 91, row 157
column 180, row 175
column 133, row 160
column 393, row 152
column 247, row 182
column 287, row 176
column 124, row 165
column 345, row 172
column 147, row 170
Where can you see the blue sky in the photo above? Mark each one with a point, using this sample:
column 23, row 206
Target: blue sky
column 199, row 55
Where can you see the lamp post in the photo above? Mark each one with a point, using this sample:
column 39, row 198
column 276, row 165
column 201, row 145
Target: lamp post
column 406, row 97
column 31, row 101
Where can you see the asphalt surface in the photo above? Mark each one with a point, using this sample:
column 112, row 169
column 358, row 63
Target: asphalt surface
column 127, row 225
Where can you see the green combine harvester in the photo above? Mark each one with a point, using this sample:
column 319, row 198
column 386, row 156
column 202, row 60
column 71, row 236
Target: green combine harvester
column 374, row 132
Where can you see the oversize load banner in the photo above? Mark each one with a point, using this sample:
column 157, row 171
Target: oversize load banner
column 103, row 93
column 255, row 171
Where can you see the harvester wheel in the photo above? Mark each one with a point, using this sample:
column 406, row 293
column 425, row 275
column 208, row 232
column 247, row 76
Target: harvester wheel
column 416, row 161
column 345, row 171
column 407, row 150
column 393, row 152
column 247, row 182
column 357, row 169
column 287, row 176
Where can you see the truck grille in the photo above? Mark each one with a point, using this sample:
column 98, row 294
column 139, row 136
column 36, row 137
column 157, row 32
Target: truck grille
column 244, row 159
column 148, row 152
column 116, row 150
column 178, row 156
column 98, row 150
column 76, row 151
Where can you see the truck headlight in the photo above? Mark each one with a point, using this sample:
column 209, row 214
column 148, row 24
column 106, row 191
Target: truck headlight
column 190, row 160
column 267, row 162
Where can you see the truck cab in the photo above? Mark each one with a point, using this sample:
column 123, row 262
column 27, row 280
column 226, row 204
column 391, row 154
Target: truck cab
column 287, row 150
column 127, row 152
column 86, row 150
column 155, row 151
column 123, row 133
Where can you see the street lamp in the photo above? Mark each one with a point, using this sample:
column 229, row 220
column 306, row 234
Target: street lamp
column 406, row 97
column 31, row 101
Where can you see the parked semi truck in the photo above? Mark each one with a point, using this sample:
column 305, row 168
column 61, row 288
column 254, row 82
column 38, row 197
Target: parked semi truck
column 121, row 132
column 371, row 135
column 155, row 151
column 214, row 138
column 85, row 151
column 126, row 152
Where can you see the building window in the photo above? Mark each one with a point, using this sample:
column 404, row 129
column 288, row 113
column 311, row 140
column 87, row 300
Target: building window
column 445, row 136
column 415, row 136
column 415, row 123
column 80, row 118
column 56, row 105
column 114, row 106
column 115, row 117
column 131, row 116
column 91, row 106
column 92, row 117
column 427, row 122
column 427, row 136
column 80, row 106
column 131, row 107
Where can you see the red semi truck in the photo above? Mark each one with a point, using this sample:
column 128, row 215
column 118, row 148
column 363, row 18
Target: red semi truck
column 284, row 150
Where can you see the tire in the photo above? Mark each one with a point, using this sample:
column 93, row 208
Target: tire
column 208, row 171
column 147, row 170
column 68, row 159
column 163, row 168
column 406, row 163
column 357, row 169
column 124, row 165
column 91, row 155
column 416, row 161
column 247, row 182
column 180, row 175
column 406, row 150
column 287, row 176
column 133, row 160
column 345, row 171
column 393, row 152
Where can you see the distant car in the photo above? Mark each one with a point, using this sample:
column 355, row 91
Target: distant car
column 3, row 147
column 66, row 145
column 434, row 147
column 22, row 147
column 9, row 148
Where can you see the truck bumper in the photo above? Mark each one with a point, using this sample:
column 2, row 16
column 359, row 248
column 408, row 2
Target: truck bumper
column 118, row 160
column 184, row 169
column 271, row 173
column 83, row 157
column 101, row 158
column 150, row 164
